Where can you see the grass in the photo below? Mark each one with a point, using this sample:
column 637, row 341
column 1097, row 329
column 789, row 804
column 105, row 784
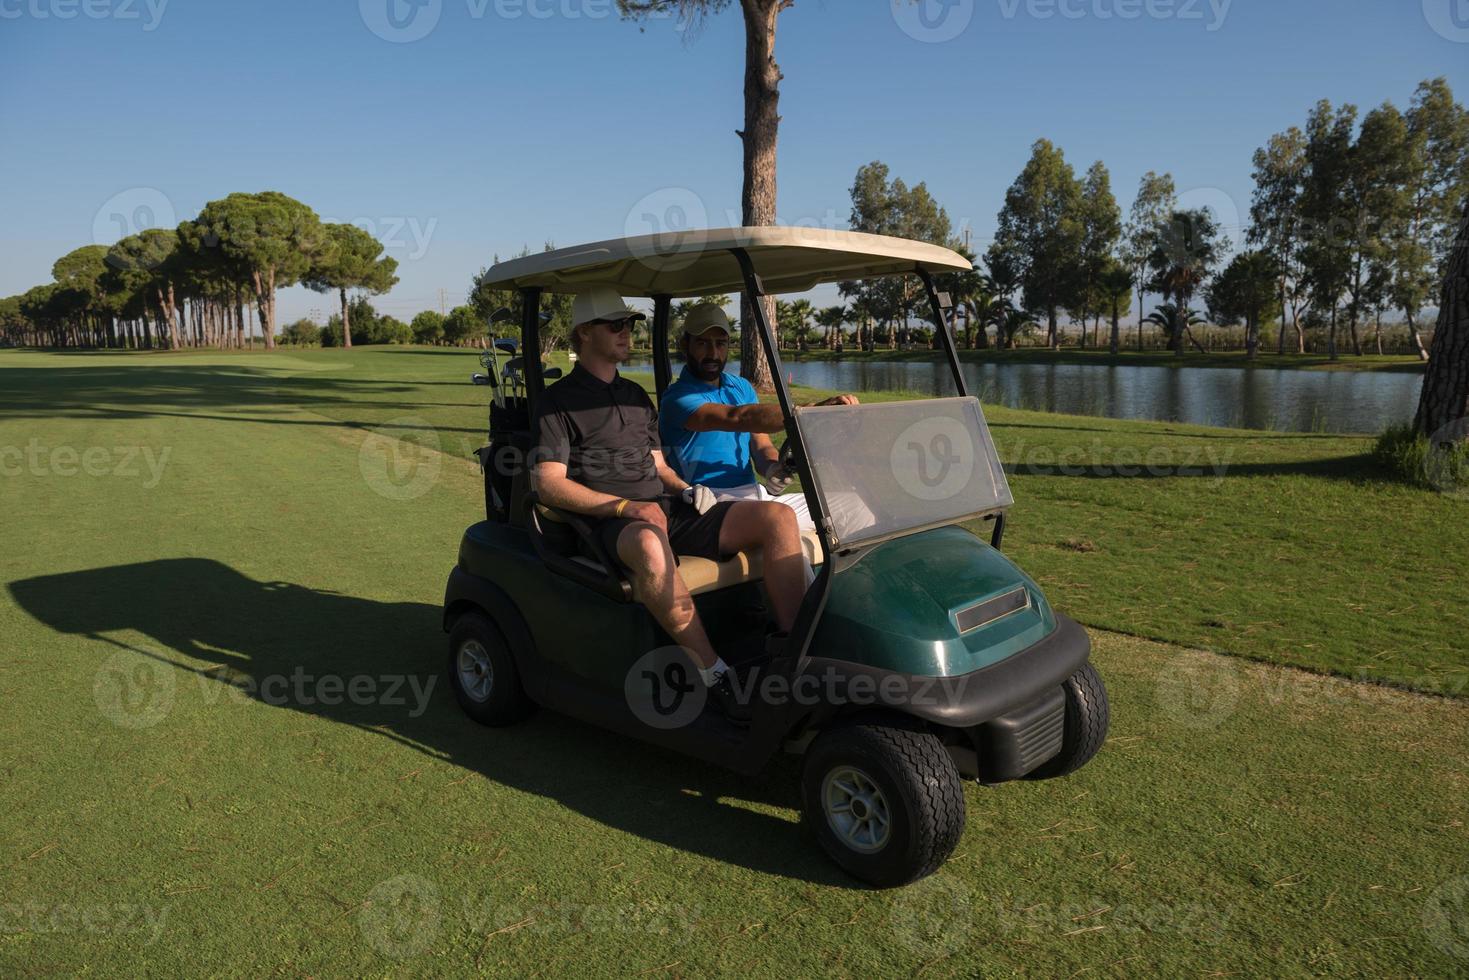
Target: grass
column 170, row 808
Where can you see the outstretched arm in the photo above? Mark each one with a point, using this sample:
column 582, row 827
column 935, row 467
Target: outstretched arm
column 760, row 417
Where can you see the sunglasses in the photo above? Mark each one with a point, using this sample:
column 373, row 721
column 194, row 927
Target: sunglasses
column 616, row 326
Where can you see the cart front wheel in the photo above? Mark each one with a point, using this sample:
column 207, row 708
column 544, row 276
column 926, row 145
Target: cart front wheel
column 1087, row 716
column 482, row 672
column 884, row 800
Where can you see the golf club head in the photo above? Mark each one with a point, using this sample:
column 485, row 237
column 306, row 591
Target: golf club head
column 551, row 374
column 502, row 315
column 508, row 346
column 479, row 379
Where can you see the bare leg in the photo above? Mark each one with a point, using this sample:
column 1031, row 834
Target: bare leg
column 656, row 583
column 772, row 528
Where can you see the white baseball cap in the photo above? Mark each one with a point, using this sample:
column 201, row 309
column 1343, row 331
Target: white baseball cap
column 601, row 303
column 704, row 318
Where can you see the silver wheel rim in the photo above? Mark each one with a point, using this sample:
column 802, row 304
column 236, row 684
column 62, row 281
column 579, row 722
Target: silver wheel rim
column 856, row 810
column 476, row 676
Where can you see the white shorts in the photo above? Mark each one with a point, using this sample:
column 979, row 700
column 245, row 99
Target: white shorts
column 757, row 491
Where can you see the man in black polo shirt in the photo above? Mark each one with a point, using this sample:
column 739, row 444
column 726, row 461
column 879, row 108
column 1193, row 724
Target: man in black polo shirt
column 599, row 454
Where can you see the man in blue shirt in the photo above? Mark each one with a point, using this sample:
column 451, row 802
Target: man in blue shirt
column 713, row 426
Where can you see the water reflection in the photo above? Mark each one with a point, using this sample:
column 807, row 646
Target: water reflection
column 1254, row 398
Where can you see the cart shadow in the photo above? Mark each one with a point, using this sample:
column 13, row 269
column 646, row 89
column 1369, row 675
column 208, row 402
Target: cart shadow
column 237, row 628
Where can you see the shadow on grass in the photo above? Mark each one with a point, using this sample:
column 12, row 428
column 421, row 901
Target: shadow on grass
column 204, row 610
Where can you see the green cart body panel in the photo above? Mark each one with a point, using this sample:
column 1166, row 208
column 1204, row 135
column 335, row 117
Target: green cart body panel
column 898, row 606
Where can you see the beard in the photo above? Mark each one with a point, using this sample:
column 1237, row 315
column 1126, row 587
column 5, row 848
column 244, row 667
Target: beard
column 707, row 370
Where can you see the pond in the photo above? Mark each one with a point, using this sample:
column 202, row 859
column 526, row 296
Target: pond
column 1250, row 398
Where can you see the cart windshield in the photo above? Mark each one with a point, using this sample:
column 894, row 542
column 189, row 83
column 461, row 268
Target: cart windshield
column 893, row 468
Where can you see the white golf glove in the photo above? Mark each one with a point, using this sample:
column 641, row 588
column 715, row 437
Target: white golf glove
column 700, row 497
column 777, row 478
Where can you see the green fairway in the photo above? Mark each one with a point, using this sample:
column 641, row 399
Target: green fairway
column 228, row 746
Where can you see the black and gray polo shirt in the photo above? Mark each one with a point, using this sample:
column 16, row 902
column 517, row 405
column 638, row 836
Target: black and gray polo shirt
column 604, row 433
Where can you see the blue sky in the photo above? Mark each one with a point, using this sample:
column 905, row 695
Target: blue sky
column 513, row 122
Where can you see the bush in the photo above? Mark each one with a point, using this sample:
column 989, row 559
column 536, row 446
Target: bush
column 428, row 327
column 391, row 330
column 463, row 325
column 302, row 333
column 1408, row 455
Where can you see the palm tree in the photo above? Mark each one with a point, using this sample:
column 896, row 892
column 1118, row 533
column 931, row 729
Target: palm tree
column 1188, row 245
column 1175, row 322
column 830, row 319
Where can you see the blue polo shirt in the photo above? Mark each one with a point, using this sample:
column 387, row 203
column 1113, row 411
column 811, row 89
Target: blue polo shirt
column 718, row 460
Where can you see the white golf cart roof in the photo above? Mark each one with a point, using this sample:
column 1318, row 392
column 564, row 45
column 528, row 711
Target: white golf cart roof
column 699, row 263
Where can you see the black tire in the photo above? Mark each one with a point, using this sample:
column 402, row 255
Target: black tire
column 920, row 791
column 502, row 701
column 1087, row 716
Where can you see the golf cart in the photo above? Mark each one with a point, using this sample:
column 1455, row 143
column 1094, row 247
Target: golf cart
column 921, row 656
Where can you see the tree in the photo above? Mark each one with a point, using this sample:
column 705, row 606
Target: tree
column 1375, row 202
column 428, row 327
column 1437, row 182
column 1115, row 287
column 759, row 135
column 555, row 324
column 1155, row 201
column 1187, row 245
column 1040, row 232
column 463, row 325
column 1443, row 406
column 1245, row 290
column 1327, row 255
column 270, row 239
column 830, row 319
column 1175, row 321
column 352, row 261
column 1275, row 218
column 1101, row 225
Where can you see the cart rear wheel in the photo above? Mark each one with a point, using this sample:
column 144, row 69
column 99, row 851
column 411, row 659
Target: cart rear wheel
column 1087, row 716
column 884, row 800
column 482, row 672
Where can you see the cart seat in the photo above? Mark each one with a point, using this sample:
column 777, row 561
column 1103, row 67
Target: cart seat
column 700, row 575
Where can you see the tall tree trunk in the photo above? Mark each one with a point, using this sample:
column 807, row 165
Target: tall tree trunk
column 1115, row 342
column 1053, row 336
column 346, row 321
column 1416, row 336
column 1280, row 340
column 1331, row 334
column 762, row 127
column 1377, row 328
column 1445, row 398
column 1295, row 319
